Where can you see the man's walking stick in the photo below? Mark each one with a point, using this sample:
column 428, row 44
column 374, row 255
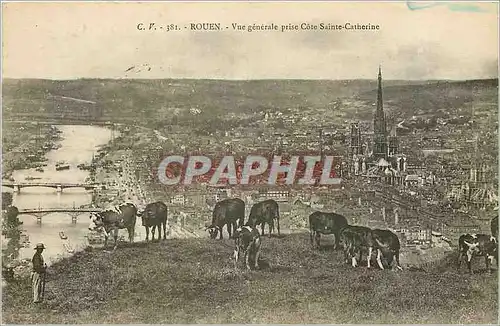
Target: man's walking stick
column 43, row 282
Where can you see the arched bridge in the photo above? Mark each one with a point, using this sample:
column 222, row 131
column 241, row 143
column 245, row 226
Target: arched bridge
column 56, row 185
column 71, row 211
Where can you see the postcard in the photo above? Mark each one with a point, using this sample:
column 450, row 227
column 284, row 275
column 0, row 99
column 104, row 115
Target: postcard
column 250, row 162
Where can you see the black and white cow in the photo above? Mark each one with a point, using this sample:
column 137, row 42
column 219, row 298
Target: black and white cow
column 387, row 244
column 325, row 223
column 364, row 240
column 247, row 240
column 112, row 219
column 351, row 242
column 471, row 245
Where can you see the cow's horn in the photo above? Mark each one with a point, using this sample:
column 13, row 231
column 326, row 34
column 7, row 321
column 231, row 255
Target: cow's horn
column 469, row 244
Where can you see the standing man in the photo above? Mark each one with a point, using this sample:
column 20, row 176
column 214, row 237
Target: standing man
column 38, row 274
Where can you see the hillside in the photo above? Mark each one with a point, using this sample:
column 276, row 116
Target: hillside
column 148, row 99
column 193, row 281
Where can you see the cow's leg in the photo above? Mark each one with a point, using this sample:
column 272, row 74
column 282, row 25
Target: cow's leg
column 165, row 230
column 131, row 233
column 271, row 227
column 220, row 234
column 335, row 241
column 262, row 227
column 153, row 231
column 105, row 240
column 459, row 260
column 115, row 237
column 353, row 258
column 379, row 260
column 229, row 227
column 236, row 256
column 489, row 262
column 469, row 261
column 318, row 236
column 369, row 258
column 235, row 227
column 278, row 221
column 257, row 254
column 247, row 255
column 311, row 236
column 147, row 233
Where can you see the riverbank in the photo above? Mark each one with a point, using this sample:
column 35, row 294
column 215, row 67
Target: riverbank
column 194, row 281
column 24, row 146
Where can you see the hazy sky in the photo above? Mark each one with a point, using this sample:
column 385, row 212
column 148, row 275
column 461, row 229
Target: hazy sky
column 96, row 40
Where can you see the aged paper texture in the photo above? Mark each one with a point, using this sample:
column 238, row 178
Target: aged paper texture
column 262, row 163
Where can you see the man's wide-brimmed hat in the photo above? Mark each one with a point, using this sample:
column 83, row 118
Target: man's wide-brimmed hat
column 40, row 246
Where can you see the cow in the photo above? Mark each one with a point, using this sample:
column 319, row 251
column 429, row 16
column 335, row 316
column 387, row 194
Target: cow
column 387, row 243
column 351, row 242
column 326, row 223
column 494, row 227
column 154, row 215
column 229, row 212
column 471, row 245
column 247, row 240
column 112, row 219
column 265, row 212
column 365, row 240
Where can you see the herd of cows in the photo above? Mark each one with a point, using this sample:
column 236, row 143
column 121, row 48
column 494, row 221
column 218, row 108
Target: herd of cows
column 353, row 239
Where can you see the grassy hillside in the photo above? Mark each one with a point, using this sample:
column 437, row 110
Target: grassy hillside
column 193, row 281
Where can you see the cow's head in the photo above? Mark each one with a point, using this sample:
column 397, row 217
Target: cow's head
column 212, row 231
column 96, row 221
column 473, row 247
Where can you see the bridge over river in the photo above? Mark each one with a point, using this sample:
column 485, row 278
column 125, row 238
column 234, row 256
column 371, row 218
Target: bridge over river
column 74, row 212
column 56, row 185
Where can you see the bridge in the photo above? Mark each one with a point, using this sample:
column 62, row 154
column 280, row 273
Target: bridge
column 56, row 185
column 73, row 212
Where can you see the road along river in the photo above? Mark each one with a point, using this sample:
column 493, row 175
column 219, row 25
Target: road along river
column 78, row 145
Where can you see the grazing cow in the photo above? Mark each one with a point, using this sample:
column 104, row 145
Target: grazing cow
column 326, row 223
column 494, row 227
column 352, row 242
column 154, row 215
column 112, row 219
column 387, row 243
column 247, row 239
column 471, row 245
column 365, row 240
column 265, row 212
column 229, row 212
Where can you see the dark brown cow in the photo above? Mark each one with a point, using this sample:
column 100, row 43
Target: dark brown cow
column 154, row 216
column 326, row 223
column 247, row 239
column 112, row 219
column 471, row 245
column 229, row 212
column 265, row 212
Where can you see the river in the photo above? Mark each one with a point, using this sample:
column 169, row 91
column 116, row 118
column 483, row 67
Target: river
column 78, row 145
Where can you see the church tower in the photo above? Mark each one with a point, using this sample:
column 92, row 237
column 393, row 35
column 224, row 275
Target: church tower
column 379, row 124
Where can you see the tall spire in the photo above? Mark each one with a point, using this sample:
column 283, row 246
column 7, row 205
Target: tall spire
column 379, row 123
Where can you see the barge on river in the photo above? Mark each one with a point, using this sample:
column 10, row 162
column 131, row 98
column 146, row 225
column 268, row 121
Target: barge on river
column 62, row 166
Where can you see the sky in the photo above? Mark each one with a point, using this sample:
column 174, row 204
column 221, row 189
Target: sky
column 101, row 40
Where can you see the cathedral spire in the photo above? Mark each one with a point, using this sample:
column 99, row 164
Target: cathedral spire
column 379, row 123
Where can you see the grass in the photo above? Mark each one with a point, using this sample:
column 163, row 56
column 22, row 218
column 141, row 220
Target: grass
column 193, row 281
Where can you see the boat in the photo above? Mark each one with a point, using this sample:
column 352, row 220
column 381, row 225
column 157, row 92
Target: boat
column 32, row 178
column 62, row 166
column 62, row 235
column 39, row 169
